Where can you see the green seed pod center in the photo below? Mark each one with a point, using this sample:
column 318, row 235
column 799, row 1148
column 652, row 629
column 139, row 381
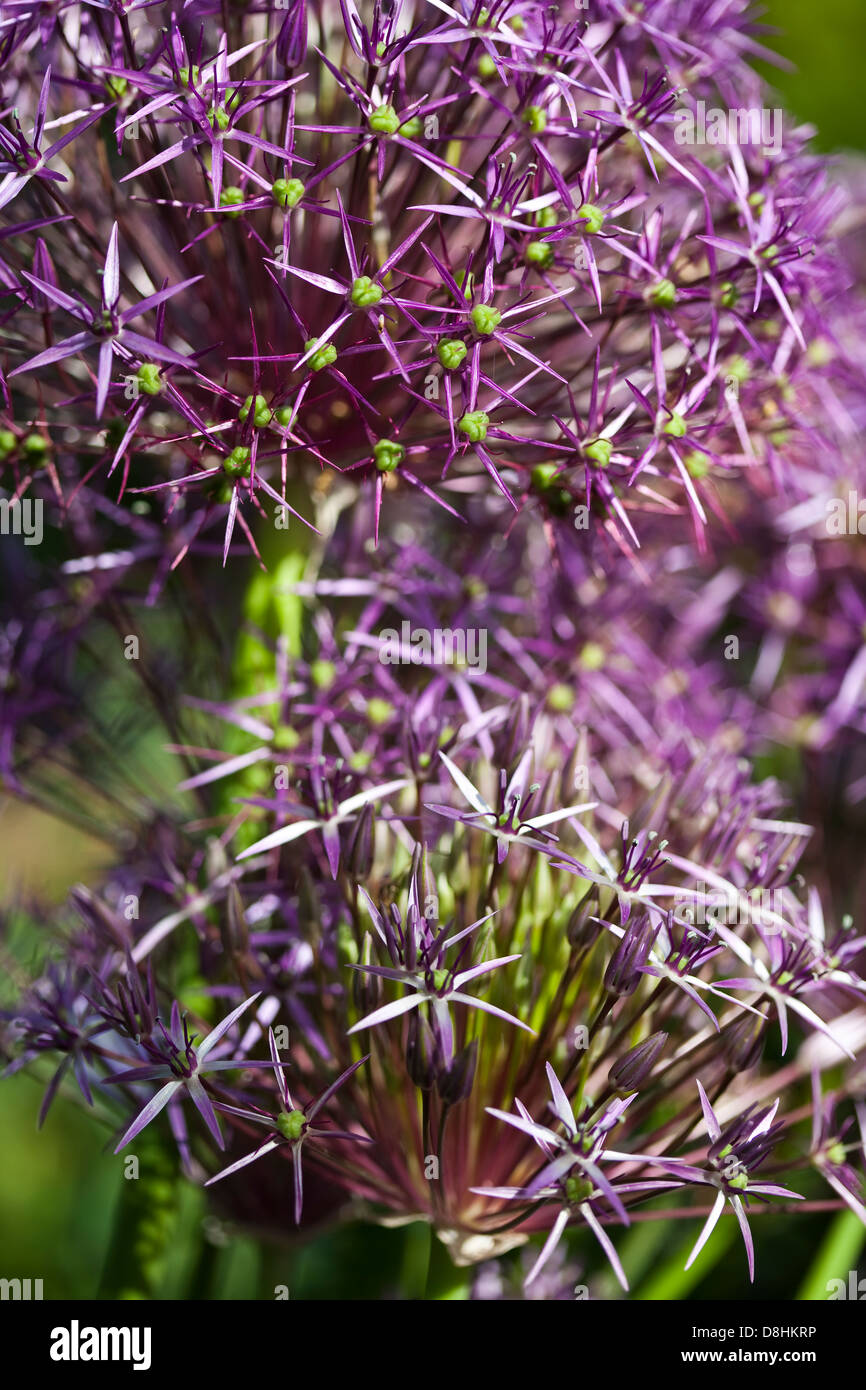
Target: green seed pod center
column 592, row 656
column 261, row 411
column 237, row 465
column 485, row 319
column 291, row 1125
column 593, row 216
column 149, row 379
column 218, row 116
column 697, row 464
column 387, row 454
column 323, row 356
column 451, row 352
column 365, row 292
column 384, row 120
column 474, row 425
column 663, row 294
column 539, row 253
column 379, row 711
column 676, row 426
column 287, row 193
column 599, row 450
column 578, row 1189
column 322, row 673
column 231, row 197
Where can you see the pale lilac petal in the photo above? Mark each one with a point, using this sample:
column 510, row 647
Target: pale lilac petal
column 737, row 1204
column 150, row 1112
column 549, row 1246
column 709, row 1227
column 561, row 1103
column 388, row 1011
column 605, row 1242
column 260, row 1152
column 222, row 1028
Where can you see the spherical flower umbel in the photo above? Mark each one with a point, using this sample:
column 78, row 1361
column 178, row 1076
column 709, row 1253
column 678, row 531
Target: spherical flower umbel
column 452, row 464
column 365, row 235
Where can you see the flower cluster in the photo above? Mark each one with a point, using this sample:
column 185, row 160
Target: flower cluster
column 462, row 250
column 443, row 458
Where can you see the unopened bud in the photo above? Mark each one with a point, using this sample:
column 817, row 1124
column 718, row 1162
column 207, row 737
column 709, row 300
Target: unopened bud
column 456, row 1083
column 743, row 1042
column 366, row 988
column 581, row 930
column 625, row 967
column 360, row 861
column 631, row 1072
column 421, row 1052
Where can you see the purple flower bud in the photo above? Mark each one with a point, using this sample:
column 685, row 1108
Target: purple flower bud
column 631, row 1072
column 360, row 859
column 456, row 1084
column 582, row 932
column 292, row 38
column 421, row 1052
column 743, row 1042
column 625, row 967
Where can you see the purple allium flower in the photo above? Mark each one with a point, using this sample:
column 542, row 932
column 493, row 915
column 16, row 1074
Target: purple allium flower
column 293, row 1126
column 174, row 1055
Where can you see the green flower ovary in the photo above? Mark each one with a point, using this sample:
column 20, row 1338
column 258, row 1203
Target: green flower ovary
column 231, row 197
column 365, row 292
column 539, row 253
column 697, row 464
column 474, row 424
column 379, row 711
column 412, row 129
column 149, row 379
column 599, row 450
column 451, row 352
column 323, row 673
column 676, row 426
column 291, row 1124
column 387, row 454
column 485, row 319
column 560, row 697
column 663, row 294
column 287, row 193
column 237, row 465
column 535, row 119
column 323, row 356
column 593, row 216
column 261, row 411
column 384, row 120
column 578, row 1189
column 592, row 656
column 218, row 116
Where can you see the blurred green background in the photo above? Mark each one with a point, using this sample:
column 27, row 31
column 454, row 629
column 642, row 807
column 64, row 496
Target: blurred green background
column 60, row 1190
